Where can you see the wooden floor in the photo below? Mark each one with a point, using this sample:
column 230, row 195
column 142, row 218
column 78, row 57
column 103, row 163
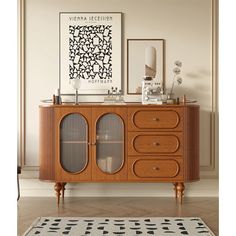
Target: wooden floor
column 31, row 208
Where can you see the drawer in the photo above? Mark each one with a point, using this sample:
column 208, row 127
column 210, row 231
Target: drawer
column 152, row 143
column 155, row 119
column 155, row 168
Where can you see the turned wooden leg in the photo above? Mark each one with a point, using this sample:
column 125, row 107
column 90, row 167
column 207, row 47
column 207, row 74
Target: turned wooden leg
column 180, row 191
column 175, row 188
column 63, row 189
column 58, row 188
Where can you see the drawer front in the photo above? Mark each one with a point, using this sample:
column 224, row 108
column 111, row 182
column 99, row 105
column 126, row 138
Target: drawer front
column 155, row 119
column 162, row 169
column 141, row 143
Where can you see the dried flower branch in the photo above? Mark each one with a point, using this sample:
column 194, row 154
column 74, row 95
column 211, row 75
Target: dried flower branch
column 176, row 71
column 178, row 63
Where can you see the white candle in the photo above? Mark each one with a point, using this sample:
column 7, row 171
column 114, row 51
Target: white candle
column 57, row 93
column 150, row 61
column 109, row 164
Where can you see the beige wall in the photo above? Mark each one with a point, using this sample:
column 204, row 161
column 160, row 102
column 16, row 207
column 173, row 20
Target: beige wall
column 186, row 25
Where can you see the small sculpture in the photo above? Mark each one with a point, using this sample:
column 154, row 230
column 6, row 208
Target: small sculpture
column 114, row 96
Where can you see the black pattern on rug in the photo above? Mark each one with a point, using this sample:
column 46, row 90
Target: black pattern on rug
column 78, row 226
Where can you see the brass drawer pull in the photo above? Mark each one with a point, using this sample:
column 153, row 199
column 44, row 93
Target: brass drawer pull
column 155, row 168
column 155, row 119
column 156, row 144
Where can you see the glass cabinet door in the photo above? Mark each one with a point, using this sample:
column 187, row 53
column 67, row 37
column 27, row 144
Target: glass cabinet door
column 73, row 143
column 110, row 143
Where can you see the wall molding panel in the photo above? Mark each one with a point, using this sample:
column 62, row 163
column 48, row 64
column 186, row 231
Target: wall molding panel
column 35, row 86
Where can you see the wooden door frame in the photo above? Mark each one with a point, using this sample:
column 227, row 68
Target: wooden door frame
column 121, row 174
column 62, row 175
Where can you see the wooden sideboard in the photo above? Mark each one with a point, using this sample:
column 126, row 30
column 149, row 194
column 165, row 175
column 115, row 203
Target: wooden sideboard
column 119, row 143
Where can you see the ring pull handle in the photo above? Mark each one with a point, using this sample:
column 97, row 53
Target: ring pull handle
column 155, row 168
column 156, row 119
column 156, row 144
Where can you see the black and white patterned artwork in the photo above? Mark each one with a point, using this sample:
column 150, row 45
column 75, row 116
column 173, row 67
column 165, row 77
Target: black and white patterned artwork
column 90, row 53
column 77, row 226
column 90, row 50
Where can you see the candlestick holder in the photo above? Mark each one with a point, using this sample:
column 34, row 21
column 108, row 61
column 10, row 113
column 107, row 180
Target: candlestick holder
column 76, row 85
column 57, row 97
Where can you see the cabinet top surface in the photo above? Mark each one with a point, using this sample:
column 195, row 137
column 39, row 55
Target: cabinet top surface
column 128, row 104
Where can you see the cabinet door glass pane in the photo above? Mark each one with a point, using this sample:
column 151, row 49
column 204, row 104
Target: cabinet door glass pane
column 110, row 143
column 73, row 143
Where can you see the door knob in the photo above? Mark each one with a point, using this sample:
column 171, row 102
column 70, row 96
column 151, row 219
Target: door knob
column 156, row 144
column 156, row 168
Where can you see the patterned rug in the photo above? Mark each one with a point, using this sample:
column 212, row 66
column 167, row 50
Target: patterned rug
column 92, row 226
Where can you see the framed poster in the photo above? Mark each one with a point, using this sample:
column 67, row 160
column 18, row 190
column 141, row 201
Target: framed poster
column 90, row 50
column 138, row 54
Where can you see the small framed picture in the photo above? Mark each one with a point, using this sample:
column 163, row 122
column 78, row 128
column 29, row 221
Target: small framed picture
column 90, row 50
column 145, row 57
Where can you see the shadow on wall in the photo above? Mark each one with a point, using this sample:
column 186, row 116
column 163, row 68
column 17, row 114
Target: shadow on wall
column 198, row 86
column 200, row 74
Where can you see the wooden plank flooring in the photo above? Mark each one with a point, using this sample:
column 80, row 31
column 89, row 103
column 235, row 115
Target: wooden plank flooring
column 31, row 207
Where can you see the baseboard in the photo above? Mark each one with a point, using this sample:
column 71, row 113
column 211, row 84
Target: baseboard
column 37, row 188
